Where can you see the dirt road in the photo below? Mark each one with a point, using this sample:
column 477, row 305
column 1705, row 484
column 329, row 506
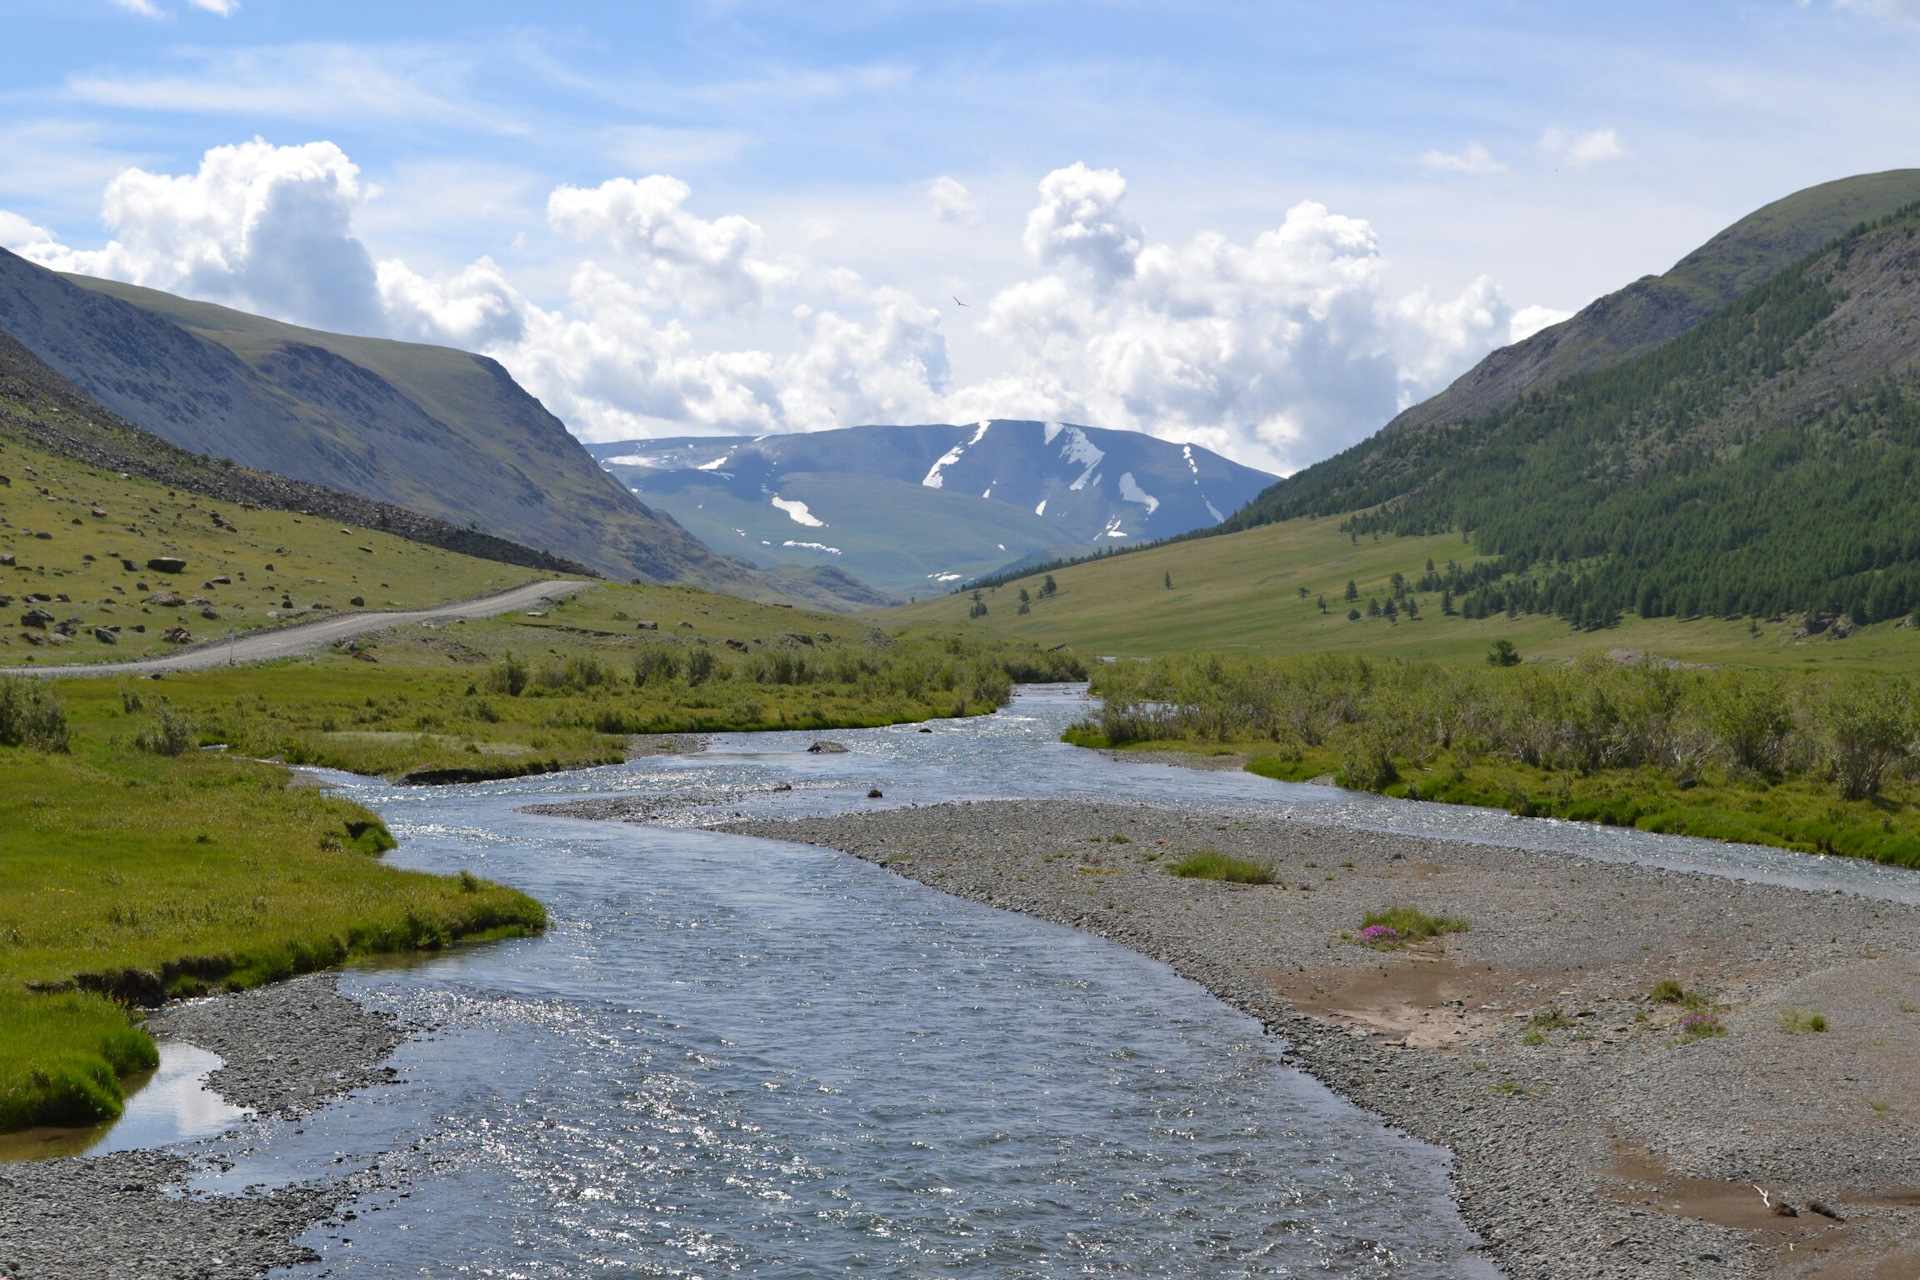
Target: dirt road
column 304, row 637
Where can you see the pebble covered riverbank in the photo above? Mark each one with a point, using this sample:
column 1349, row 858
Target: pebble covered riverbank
column 1593, row 1135
column 287, row 1049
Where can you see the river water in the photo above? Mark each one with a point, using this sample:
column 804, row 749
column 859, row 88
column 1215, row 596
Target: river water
column 735, row 1056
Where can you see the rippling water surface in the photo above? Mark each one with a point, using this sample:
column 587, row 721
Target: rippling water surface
column 743, row 1056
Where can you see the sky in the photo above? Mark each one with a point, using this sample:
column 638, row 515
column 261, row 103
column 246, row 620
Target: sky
column 1260, row 227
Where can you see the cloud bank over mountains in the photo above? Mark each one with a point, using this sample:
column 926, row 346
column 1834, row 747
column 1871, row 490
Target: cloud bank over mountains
column 1276, row 352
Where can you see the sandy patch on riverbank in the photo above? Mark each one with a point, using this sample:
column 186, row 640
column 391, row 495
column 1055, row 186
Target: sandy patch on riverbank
column 1612, row 1146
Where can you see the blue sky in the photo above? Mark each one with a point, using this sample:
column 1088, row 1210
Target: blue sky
column 1266, row 226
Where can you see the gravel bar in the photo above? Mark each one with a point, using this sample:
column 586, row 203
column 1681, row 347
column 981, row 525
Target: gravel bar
column 1614, row 1144
column 287, row 1049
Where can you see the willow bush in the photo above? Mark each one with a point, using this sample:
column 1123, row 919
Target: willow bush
column 1856, row 732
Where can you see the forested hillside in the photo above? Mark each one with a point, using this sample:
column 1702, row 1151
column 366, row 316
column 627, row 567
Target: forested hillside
column 1762, row 463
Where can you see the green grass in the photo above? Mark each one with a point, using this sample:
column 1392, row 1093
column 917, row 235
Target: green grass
column 1211, row 864
column 1241, row 592
column 62, row 1057
column 131, row 874
column 1412, row 924
column 279, row 565
column 1802, row 1022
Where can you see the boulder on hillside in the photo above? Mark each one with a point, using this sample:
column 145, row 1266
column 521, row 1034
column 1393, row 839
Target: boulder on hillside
column 167, row 564
column 37, row 618
column 170, row 599
column 105, row 636
column 178, row 635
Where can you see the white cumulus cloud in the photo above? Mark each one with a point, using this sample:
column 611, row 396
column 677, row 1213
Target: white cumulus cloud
column 1277, row 350
column 686, row 260
column 1078, row 224
column 1584, row 149
column 258, row 227
column 225, row 8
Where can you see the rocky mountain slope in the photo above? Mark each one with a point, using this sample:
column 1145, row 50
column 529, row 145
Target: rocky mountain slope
column 913, row 508
column 444, row 433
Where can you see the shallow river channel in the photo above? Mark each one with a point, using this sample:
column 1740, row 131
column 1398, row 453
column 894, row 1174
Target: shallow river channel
column 736, row 1056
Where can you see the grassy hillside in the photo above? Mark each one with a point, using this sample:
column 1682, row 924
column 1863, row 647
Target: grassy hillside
column 279, row 567
column 1241, row 592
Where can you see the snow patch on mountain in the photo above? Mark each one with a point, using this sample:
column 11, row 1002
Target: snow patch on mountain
column 1131, row 491
column 1113, row 529
column 812, row 546
column 717, row 463
column 797, row 511
column 1186, row 451
column 1053, row 429
column 1080, row 452
column 934, row 479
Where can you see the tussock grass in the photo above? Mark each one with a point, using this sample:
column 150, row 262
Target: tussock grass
column 62, row 1056
column 1211, row 864
column 1802, row 1022
column 1412, row 924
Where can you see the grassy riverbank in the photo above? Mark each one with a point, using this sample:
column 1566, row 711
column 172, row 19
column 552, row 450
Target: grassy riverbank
column 132, row 875
column 1817, row 764
column 565, row 686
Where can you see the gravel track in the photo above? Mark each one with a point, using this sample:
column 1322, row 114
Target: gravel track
column 266, row 644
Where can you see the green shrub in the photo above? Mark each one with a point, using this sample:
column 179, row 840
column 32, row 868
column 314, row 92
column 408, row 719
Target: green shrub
column 169, row 733
column 508, row 676
column 32, row 715
column 1211, row 864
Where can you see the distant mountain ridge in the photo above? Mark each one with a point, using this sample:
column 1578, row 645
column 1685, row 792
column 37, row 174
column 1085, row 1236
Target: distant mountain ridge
column 444, row 433
column 914, row 508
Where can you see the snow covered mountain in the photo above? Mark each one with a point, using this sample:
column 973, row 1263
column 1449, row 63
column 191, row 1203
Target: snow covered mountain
column 912, row 509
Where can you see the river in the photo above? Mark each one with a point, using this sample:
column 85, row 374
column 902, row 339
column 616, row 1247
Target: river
column 738, row 1056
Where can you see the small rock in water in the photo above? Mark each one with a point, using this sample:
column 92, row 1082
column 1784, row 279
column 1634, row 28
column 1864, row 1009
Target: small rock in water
column 926, row 731
column 826, row 748
column 874, row 794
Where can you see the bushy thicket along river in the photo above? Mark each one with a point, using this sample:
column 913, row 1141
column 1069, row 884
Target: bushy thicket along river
column 741, row 1056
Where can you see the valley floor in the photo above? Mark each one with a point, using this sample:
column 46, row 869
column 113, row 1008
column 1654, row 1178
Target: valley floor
column 1613, row 1144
